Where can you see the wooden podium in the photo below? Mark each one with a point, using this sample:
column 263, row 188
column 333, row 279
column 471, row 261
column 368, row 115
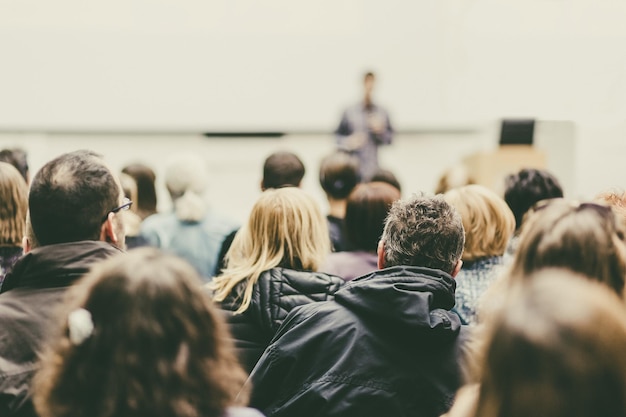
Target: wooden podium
column 491, row 167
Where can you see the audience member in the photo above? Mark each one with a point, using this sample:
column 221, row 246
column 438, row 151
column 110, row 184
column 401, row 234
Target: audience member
column 489, row 225
column 73, row 222
column 139, row 337
column 454, row 177
column 282, row 169
column 525, row 188
column 13, row 208
column 193, row 230
column 385, row 175
column 145, row 178
column 615, row 198
column 363, row 128
column 366, row 211
column 339, row 174
column 132, row 220
column 585, row 238
column 388, row 345
column 270, row 268
column 556, row 350
column 19, row 159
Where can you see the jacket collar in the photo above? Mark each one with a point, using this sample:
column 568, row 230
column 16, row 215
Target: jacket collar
column 57, row 265
column 405, row 297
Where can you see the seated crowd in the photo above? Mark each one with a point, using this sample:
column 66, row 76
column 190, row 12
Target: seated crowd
column 460, row 302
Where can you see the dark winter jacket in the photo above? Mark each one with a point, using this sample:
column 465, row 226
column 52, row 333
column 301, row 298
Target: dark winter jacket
column 387, row 345
column 29, row 299
column 275, row 294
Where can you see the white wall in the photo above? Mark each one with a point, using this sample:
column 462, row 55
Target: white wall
column 196, row 65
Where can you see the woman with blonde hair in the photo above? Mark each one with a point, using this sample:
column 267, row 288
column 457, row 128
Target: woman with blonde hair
column 489, row 225
column 270, row 268
column 14, row 198
column 557, row 350
column 140, row 337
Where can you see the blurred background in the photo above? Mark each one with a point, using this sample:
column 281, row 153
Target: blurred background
column 138, row 80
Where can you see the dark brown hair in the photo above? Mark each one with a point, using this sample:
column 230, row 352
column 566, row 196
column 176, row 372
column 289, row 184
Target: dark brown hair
column 69, row 196
column 366, row 211
column 145, row 178
column 282, row 169
column 158, row 346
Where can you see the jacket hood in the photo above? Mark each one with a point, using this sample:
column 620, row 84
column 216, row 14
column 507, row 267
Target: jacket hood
column 57, row 265
column 404, row 297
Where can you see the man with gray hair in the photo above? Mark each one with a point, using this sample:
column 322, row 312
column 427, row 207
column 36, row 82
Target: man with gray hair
column 388, row 343
column 73, row 222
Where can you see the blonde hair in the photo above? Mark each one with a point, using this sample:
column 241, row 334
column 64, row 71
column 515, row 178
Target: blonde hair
column 488, row 221
column 14, row 198
column 615, row 198
column 286, row 228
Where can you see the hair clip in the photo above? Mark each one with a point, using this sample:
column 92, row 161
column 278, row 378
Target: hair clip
column 80, row 325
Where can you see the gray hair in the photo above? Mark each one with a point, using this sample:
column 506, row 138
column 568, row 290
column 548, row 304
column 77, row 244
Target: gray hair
column 425, row 231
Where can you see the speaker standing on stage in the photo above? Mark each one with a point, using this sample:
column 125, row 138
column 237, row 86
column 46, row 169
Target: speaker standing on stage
column 363, row 128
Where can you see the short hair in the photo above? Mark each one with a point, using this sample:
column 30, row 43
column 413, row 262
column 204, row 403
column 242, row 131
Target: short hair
column 528, row 186
column 488, row 222
column 282, row 169
column 369, row 74
column 286, row 229
column 13, row 205
column 584, row 237
column 423, row 231
column 69, row 198
column 339, row 174
column 556, row 349
column 145, row 178
column 186, row 179
column 18, row 158
column 385, row 175
column 366, row 211
column 158, row 346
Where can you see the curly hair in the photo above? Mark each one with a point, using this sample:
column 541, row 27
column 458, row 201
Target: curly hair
column 423, row 231
column 158, row 347
column 528, row 186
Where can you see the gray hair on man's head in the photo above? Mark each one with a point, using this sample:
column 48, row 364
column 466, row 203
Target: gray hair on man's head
column 424, row 231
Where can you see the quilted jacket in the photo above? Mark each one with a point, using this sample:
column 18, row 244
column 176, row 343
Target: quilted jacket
column 387, row 345
column 275, row 294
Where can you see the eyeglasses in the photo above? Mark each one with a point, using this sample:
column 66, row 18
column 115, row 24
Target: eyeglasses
column 125, row 206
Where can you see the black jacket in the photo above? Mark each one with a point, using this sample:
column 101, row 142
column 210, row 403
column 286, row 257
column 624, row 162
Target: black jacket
column 386, row 346
column 29, row 298
column 275, row 294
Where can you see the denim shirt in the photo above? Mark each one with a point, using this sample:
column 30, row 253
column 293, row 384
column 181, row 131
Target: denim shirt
column 197, row 242
column 472, row 281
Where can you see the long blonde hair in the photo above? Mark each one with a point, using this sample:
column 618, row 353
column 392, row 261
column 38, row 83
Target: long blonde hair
column 286, row 228
column 14, row 196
